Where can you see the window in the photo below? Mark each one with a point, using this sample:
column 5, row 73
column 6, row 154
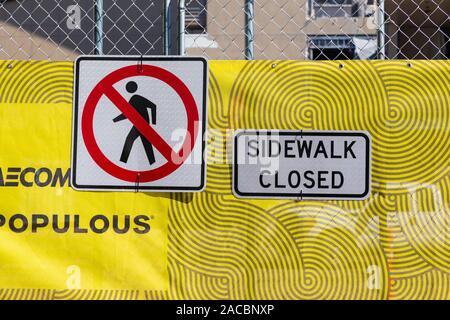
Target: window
column 196, row 21
column 341, row 8
column 342, row 47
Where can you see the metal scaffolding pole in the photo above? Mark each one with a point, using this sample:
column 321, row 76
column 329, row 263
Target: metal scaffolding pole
column 181, row 27
column 249, row 35
column 98, row 33
column 381, row 30
column 166, row 27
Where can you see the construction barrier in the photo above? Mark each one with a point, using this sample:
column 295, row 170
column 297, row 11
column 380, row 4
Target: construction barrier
column 58, row 243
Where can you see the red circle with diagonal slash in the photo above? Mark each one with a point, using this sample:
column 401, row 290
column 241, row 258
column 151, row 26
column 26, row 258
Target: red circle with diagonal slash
column 174, row 159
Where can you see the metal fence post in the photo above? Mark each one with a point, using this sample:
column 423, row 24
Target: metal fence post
column 98, row 34
column 249, row 35
column 166, row 27
column 181, row 27
column 381, row 30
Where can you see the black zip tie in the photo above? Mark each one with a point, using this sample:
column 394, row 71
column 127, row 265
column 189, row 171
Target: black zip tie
column 140, row 65
column 301, row 135
column 136, row 185
column 300, row 197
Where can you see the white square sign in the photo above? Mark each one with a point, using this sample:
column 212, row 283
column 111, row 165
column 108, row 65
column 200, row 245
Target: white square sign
column 139, row 123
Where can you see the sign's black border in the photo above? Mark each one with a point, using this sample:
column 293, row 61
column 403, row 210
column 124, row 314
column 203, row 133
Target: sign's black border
column 75, row 124
column 303, row 195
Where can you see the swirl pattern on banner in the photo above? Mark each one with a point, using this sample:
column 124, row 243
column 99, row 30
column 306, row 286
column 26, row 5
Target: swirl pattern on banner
column 334, row 249
column 405, row 109
column 36, row 82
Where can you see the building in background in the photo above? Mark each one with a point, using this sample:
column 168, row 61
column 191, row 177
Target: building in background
column 322, row 29
column 295, row 29
column 64, row 29
column 283, row 29
column 417, row 29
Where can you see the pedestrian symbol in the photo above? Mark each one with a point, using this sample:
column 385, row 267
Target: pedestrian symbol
column 139, row 123
column 140, row 104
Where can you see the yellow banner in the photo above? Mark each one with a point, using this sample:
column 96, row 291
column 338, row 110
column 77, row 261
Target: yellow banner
column 56, row 243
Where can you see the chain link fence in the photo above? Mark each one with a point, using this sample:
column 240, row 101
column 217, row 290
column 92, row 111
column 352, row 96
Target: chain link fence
column 226, row 29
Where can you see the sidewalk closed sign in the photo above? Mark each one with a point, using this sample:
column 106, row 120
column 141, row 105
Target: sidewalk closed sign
column 301, row 165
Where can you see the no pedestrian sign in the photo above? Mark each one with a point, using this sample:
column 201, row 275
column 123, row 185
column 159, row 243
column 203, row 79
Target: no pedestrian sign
column 139, row 123
column 301, row 165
